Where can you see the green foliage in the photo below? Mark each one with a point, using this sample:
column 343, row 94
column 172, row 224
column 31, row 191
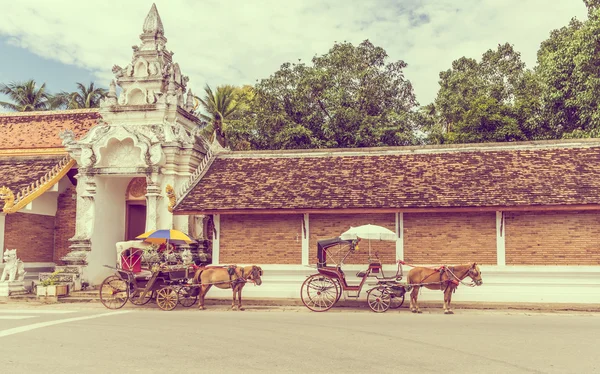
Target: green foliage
column 348, row 97
column 84, row 97
column 493, row 100
column 52, row 279
column 569, row 69
column 25, row 96
column 227, row 103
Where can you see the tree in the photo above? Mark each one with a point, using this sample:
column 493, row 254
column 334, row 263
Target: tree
column 569, row 71
column 348, row 97
column 84, row 97
column 494, row 100
column 219, row 106
column 25, row 96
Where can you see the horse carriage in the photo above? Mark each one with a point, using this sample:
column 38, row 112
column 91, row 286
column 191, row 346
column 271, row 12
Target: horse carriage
column 169, row 283
column 321, row 291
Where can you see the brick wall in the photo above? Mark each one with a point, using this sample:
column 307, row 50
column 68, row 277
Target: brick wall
column 326, row 226
column 261, row 239
column 32, row 235
column 450, row 238
column 552, row 238
column 64, row 223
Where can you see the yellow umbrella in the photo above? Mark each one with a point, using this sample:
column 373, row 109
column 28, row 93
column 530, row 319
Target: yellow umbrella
column 165, row 236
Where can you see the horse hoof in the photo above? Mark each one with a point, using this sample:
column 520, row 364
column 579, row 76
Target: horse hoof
column 448, row 312
column 241, row 309
column 202, row 308
column 419, row 311
column 414, row 310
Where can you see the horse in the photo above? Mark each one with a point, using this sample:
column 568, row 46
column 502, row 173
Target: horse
column 445, row 278
column 233, row 277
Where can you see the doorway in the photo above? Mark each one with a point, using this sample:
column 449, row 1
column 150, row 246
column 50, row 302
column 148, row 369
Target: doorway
column 135, row 211
column 136, row 219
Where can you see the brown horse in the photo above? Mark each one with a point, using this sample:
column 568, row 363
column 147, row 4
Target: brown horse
column 445, row 278
column 227, row 277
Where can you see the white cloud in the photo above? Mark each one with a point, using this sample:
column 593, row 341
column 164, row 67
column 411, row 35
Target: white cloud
column 240, row 41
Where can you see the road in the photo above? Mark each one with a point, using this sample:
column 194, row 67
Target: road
column 83, row 338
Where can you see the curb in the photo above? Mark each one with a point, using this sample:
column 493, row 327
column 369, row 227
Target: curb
column 347, row 304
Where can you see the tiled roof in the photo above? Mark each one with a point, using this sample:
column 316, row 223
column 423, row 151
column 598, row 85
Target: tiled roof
column 510, row 174
column 40, row 129
column 19, row 172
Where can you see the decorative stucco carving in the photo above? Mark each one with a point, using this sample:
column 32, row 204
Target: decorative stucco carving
column 136, row 189
column 153, row 23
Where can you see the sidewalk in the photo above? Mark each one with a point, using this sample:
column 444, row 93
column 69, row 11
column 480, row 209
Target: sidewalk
column 92, row 297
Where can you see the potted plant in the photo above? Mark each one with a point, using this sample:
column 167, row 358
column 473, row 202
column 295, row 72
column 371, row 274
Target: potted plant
column 50, row 286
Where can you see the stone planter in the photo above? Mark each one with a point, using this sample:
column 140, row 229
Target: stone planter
column 53, row 290
column 41, row 290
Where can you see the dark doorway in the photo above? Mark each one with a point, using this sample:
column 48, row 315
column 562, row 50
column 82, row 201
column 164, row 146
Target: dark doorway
column 136, row 219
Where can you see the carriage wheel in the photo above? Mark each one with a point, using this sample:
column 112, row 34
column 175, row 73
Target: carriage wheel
column 136, row 297
column 186, row 298
column 379, row 299
column 166, row 298
column 319, row 293
column 397, row 301
column 114, row 292
column 339, row 289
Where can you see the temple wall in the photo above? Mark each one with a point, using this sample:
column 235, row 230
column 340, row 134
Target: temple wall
column 261, row 239
column 32, row 235
column 450, row 238
column 553, row 238
column 64, row 222
column 326, row 226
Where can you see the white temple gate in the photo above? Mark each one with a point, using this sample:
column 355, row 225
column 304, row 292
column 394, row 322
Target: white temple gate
column 148, row 130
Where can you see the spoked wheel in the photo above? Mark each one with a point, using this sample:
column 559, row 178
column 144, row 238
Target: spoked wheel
column 136, row 297
column 186, row 297
column 166, row 298
column 397, row 301
column 114, row 292
column 319, row 293
column 339, row 289
column 379, row 299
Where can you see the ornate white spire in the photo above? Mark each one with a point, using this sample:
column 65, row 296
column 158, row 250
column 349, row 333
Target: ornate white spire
column 153, row 24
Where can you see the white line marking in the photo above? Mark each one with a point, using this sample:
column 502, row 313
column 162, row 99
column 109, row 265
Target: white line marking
column 34, row 326
column 35, row 311
column 16, row 317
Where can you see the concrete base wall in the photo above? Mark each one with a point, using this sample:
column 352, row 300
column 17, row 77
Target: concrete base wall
column 519, row 284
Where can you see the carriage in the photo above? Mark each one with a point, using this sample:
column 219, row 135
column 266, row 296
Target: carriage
column 321, row 291
column 168, row 285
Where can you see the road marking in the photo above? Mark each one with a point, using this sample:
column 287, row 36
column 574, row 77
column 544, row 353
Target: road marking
column 39, row 325
column 35, row 311
column 16, row 317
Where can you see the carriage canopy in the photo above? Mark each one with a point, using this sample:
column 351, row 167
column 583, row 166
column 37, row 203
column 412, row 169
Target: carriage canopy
column 322, row 245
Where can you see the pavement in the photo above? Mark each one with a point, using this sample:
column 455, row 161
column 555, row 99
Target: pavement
column 87, row 338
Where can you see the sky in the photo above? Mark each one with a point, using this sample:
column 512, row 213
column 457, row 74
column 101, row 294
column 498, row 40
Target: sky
column 216, row 42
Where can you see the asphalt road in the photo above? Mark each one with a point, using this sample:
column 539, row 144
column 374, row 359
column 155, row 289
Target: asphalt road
column 76, row 338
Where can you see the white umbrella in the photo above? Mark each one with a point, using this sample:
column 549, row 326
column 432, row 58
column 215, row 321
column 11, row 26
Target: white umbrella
column 373, row 232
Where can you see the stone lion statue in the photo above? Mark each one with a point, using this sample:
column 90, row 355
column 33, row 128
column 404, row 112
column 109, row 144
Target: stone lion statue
column 14, row 268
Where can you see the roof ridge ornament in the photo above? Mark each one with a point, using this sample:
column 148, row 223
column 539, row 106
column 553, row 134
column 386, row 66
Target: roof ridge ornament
column 153, row 23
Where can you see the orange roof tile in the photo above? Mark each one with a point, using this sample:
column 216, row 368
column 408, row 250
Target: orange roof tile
column 508, row 175
column 40, row 129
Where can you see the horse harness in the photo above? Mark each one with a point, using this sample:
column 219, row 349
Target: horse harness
column 452, row 280
column 232, row 271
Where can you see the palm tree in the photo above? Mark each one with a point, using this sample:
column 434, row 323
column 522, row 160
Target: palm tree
column 219, row 107
column 25, row 96
column 84, row 97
